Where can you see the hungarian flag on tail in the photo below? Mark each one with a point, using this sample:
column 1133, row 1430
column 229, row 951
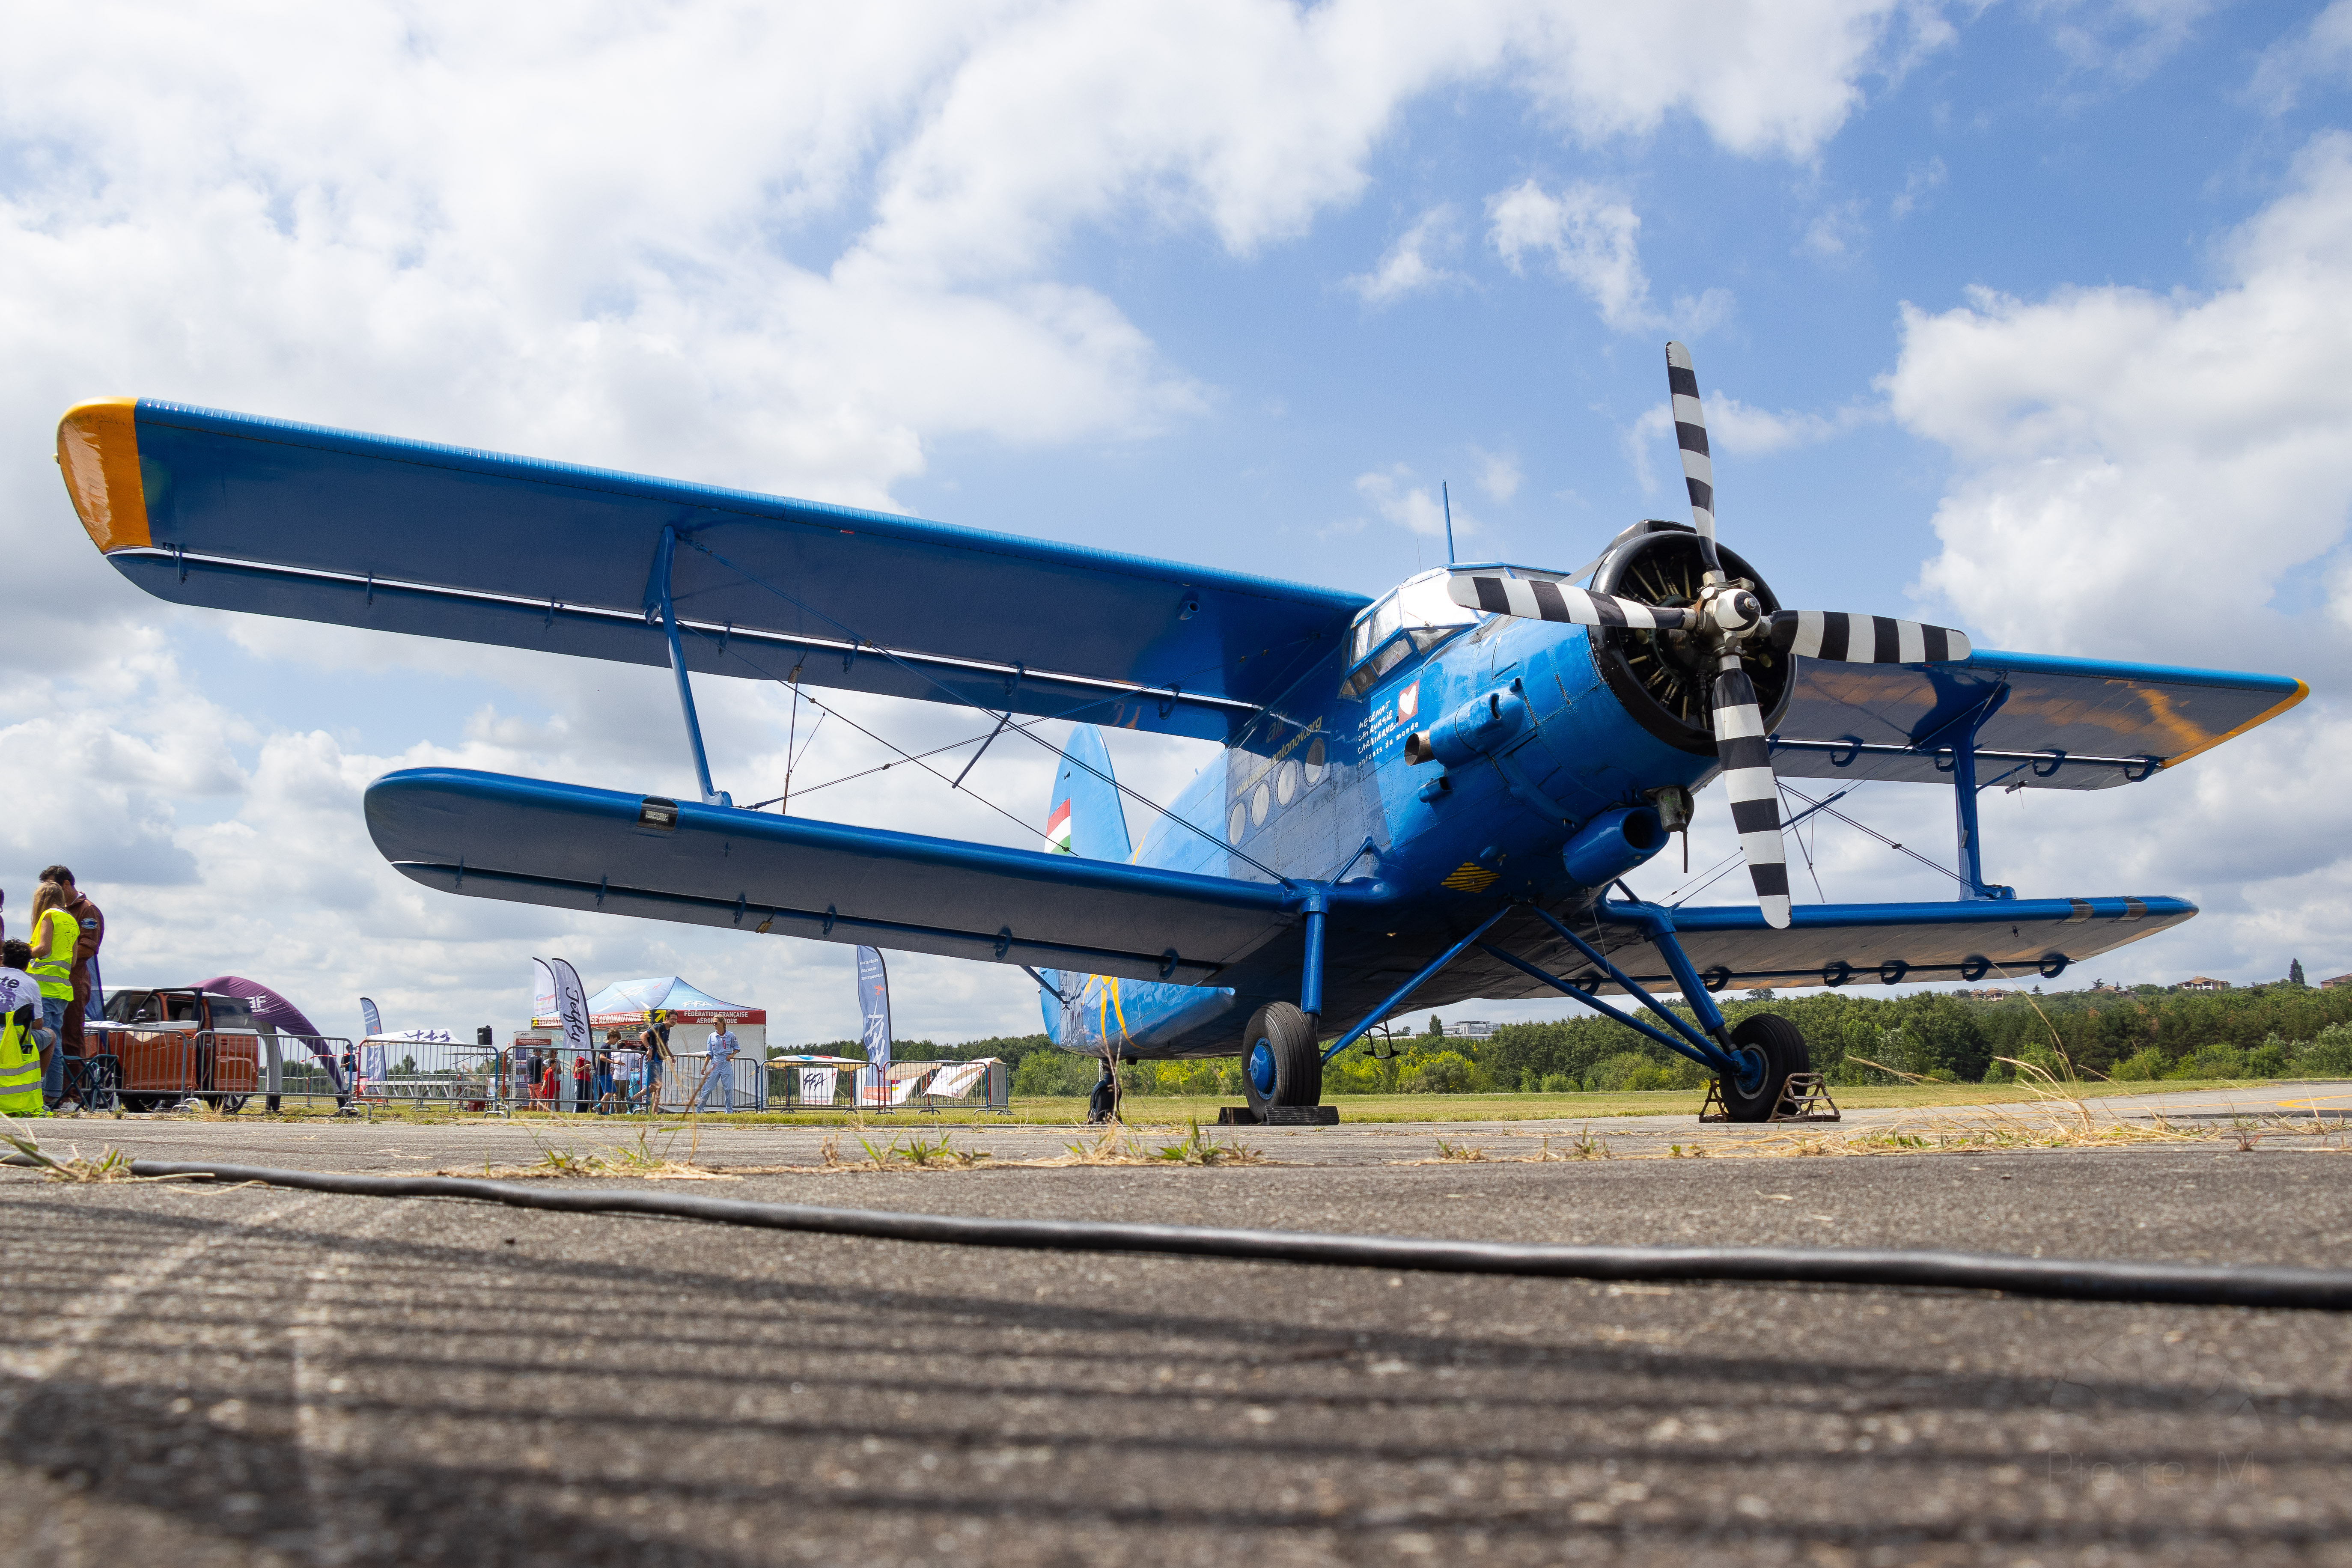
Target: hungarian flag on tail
column 1057, row 830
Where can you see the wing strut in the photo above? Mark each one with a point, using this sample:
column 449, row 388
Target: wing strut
column 657, row 594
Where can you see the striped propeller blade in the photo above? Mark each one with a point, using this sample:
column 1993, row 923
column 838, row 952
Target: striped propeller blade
column 1690, row 435
column 1541, row 599
column 1747, row 758
column 1864, row 639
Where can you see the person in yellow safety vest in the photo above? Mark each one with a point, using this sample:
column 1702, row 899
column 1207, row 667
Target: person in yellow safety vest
column 55, row 931
column 20, row 1014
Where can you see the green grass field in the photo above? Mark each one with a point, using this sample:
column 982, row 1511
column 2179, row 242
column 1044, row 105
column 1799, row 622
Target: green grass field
column 1176, row 1110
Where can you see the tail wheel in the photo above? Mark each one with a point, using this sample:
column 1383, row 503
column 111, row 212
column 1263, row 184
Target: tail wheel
column 1770, row 1048
column 1280, row 1063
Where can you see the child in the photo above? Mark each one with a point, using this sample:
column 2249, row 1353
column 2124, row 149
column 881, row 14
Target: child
column 20, row 1031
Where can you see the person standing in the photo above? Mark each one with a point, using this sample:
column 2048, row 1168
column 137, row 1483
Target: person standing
column 656, row 1044
column 630, row 1062
column 90, row 925
column 53, row 933
column 722, row 1048
column 20, row 1018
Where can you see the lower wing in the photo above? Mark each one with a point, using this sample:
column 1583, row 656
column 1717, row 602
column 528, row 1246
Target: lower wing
column 568, row 846
column 2014, row 939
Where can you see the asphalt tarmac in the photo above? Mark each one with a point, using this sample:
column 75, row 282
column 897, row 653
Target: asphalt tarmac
column 260, row 1375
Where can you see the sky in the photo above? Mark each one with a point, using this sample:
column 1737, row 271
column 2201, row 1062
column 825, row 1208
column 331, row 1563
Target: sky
column 2033, row 319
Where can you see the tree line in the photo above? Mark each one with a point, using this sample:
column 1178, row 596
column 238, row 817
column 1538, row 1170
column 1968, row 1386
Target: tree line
column 2147, row 1033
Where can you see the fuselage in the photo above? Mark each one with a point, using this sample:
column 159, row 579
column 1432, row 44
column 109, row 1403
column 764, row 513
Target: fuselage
column 1319, row 788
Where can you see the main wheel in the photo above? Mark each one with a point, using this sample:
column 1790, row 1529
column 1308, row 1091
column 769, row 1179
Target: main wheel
column 1770, row 1048
column 1280, row 1063
column 227, row 1104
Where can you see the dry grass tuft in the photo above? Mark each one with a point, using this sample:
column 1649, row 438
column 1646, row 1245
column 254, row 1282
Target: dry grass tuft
column 1108, row 1147
column 1199, row 1148
column 111, row 1165
column 918, row 1154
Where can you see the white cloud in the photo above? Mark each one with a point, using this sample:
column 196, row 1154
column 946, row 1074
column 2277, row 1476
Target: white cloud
column 1768, row 78
column 2320, row 50
column 2125, row 40
column 1499, row 475
column 1414, row 508
column 1591, row 239
column 2125, row 456
column 2168, row 476
column 1405, row 268
column 1734, row 428
column 1918, row 182
column 1836, row 232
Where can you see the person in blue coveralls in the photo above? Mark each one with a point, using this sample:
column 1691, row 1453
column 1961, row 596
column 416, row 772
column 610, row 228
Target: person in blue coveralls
column 720, row 1078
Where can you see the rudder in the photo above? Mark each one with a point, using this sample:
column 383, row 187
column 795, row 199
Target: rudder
column 1083, row 815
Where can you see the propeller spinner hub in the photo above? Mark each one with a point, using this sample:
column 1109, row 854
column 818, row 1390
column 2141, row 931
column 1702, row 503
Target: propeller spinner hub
column 1734, row 611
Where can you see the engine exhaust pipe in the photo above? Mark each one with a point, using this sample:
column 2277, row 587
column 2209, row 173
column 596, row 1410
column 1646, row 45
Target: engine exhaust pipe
column 1612, row 844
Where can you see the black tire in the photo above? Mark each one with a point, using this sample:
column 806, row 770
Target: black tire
column 1280, row 1062
column 227, row 1104
column 1780, row 1047
column 1104, row 1102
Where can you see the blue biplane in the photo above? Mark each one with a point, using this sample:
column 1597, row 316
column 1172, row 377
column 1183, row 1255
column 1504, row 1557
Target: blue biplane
column 1422, row 798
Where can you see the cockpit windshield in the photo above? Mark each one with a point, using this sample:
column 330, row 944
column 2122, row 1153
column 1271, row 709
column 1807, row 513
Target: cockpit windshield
column 1413, row 617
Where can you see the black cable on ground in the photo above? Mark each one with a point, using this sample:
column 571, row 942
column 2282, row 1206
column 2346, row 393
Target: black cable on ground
column 2078, row 1279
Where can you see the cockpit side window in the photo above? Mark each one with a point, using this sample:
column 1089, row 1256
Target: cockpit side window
column 1415, row 618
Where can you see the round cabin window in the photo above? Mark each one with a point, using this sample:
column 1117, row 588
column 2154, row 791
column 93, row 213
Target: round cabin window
column 1286, row 783
column 1235, row 823
column 1258, row 800
column 1313, row 762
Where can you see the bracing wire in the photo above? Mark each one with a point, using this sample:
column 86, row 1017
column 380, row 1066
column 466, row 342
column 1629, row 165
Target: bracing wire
column 1824, row 806
column 861, row 772
column 1146, row 802
column 903, row 753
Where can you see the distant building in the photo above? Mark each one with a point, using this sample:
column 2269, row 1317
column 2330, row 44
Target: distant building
column 1990, row 994
column 2339, row 980
column 2207, row 983
column 1469, row 1029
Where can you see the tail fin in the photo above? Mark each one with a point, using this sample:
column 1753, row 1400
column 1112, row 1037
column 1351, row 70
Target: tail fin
column 1082, row 816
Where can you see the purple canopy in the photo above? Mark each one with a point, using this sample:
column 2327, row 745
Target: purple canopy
column 270, row 1008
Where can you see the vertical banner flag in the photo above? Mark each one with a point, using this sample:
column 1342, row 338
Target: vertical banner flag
column 370, row 1018
column 874, row 1001
column 572, row 1006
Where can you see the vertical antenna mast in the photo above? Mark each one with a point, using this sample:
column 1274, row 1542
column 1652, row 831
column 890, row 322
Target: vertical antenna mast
column 1448, row 495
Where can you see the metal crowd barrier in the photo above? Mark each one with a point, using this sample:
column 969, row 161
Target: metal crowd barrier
column 991, row 1092
column 682, row 1075
column 163, row 1067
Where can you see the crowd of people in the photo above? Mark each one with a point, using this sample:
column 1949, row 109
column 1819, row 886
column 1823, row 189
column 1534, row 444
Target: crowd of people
column 626, row 1074
column 45, row 989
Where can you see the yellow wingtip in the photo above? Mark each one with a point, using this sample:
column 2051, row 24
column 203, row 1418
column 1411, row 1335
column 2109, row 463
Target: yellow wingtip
column 98, row 449
column 2302, row 690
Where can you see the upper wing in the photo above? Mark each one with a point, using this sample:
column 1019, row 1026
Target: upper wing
column 245, row 513
column 572, row 848
column 2053, row 724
